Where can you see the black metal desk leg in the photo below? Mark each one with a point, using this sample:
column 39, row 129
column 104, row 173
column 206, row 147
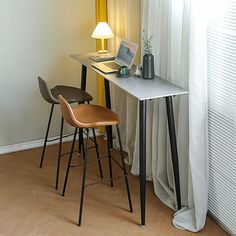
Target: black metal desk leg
column 142, row 158
column 83, row 77
column 108, row 105
column 83, row 87
column 174, row 151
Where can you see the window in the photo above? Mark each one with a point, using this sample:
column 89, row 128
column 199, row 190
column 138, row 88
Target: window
column 222, row 111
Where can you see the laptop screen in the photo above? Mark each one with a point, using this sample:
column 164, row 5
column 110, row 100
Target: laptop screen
column 126, row 53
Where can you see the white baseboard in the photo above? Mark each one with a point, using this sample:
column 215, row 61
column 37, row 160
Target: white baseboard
column 34, row 144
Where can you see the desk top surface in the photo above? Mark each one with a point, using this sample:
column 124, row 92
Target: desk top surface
column 140, row 88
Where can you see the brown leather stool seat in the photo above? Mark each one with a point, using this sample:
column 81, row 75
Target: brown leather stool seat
column 91, row 116
column 71, row 94
column 86, row 116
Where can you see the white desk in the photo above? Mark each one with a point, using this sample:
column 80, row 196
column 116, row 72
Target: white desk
column 143, row 90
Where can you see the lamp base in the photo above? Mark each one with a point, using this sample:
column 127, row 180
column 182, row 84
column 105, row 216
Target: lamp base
column 102, row 51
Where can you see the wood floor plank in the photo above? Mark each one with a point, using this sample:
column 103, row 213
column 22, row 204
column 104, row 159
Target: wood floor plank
column 29, row 205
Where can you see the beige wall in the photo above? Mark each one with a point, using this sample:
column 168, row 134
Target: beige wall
column 36, row 37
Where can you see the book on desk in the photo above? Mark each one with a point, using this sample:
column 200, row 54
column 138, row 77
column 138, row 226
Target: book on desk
column 102, row 57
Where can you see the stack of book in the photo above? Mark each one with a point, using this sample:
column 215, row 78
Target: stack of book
column 102, row 57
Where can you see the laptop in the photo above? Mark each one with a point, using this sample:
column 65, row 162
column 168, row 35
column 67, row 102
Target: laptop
column 124, row 57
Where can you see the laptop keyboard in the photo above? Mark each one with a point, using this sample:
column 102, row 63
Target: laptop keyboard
column 112, row 65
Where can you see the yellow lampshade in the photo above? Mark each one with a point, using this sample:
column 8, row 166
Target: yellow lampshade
column 102, row 31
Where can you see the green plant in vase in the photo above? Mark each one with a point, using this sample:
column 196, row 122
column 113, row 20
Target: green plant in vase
column 148, row 58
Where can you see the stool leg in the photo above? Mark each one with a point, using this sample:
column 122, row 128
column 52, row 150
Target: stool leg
column 46, row 136
column 109, row 156
column 59, row 154
column 84, row 177
column 124, row 168
column 80, row 140
column 69, row 163
column 97, row 152
column 83, row 148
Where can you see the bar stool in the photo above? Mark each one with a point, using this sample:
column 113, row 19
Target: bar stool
column 72, row 95
column 87, row 116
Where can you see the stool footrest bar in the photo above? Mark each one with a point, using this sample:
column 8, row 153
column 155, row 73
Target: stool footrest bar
column 92, row 147
column 64, row 136
column 67, row 135
column 117, row 163
column 67, row 153
column 105, row 179
column 101, row 158
column 88, row 162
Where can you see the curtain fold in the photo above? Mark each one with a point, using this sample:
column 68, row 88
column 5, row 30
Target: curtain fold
column 179, row 47
column 125, row 27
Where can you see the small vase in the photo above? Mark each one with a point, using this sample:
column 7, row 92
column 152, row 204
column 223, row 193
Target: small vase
column 148, row 66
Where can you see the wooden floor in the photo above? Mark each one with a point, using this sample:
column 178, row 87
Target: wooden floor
column 29, row 205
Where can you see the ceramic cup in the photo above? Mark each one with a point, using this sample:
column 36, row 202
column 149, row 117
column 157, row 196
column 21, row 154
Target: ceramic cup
column 123, row 71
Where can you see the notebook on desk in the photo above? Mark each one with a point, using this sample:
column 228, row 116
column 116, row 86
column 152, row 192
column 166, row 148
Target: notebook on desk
column 124, row 57
column 102, row 57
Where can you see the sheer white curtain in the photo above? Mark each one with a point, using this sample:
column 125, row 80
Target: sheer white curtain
column 179, row 29
column 124, row 18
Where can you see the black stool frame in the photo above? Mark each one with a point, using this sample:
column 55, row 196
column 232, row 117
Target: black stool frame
column 73, row 95
column 60, row 154
column 85, row 162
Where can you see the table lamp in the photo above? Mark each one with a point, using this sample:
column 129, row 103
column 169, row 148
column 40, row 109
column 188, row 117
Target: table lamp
column 102, row 31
